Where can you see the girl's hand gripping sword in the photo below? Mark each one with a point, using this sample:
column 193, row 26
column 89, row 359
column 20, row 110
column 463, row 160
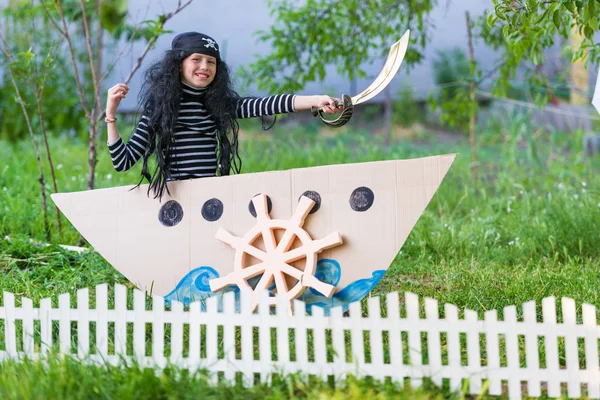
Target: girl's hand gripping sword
column 390, row 68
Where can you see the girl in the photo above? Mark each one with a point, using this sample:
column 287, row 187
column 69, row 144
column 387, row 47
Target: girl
column 189, row 115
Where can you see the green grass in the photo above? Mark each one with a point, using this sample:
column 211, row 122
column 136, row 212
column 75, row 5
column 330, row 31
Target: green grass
column 66, row 378
column 527, row 230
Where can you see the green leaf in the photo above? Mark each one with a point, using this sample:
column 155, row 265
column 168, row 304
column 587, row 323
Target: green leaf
column 569, row 6
column 112, row 14
column 591, row 11
column 542, row 16
column 556, row 19
column 490, row 20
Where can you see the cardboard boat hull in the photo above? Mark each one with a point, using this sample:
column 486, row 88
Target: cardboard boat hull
column 169, row 248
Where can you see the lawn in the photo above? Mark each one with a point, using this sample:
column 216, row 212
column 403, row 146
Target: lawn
column 525, row 230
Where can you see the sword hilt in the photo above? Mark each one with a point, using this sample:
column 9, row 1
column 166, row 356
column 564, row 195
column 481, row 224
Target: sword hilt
column 344, row 116
column 315, row 110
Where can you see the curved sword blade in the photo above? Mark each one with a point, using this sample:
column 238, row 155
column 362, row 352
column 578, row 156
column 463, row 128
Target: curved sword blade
column 390, row 68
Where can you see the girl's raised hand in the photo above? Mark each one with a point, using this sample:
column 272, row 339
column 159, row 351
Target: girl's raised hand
column 115, row 95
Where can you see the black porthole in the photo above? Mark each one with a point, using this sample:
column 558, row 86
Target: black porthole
column 171, row 213
column 314, row 196
column 212, row 209
column 361, row 199
column 253, row 211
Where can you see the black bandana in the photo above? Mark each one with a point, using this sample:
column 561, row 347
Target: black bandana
column 195, row 42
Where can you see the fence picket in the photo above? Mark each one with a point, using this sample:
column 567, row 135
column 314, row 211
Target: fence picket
column 531, row 349
column 453, row 347
column 176, row 332
column 376, row 338
column 45, row 326
column 102, row 321
column 591, row 351
column 120, row 319
column 319, row 342
column 356, row 335
column 211, row 342
column 158, row 331
column 337, row 338
column 10, row 331
column 229, row 336
column 264, row 337
column 551, row 346
column 83, row 322
column 393, row 312
column 492, row 347
column 300, row 320
column 193, row 360
column 320, row 362
column 246, row 325
column 473, row 352
column 139, row 325
column 415, row 347
column 571, row 348
column 28, row 327
column 433, row 341
column 64, row 323
column 512, row 352
column 283, row 343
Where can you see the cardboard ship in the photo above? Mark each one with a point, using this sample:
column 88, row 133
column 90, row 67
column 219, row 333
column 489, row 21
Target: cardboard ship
column 334, row 230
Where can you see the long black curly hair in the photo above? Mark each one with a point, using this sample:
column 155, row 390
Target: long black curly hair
column 160, row 99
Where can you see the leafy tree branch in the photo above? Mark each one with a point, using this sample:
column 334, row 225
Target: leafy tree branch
column 308, row 37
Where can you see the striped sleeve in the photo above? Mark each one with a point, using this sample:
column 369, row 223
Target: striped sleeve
column 125, row 155
column 250, row 107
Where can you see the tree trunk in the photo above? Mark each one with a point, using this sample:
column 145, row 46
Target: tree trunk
column 97, row 108
column 472, row 101
column 92, row 153
column 49, row 156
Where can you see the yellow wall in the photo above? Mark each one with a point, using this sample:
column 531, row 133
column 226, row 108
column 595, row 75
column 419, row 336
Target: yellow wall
column 579, row 73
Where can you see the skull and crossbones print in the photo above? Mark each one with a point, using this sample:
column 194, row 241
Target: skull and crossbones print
column 211, row 43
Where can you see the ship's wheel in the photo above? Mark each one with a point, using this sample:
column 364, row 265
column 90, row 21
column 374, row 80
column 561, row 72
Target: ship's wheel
column 276, row 258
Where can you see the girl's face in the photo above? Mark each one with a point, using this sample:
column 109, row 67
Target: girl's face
column 198, row 70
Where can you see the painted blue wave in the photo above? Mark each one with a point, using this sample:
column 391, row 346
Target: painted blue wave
column 355, row 291
column 327, row 271
column 195, row 286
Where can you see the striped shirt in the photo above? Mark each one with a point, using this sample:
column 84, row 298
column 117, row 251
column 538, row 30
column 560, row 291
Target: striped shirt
column 193, row 152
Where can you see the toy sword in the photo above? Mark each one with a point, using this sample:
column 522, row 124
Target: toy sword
column 390, row 68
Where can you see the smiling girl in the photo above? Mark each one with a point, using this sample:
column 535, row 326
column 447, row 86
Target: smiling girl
column 189, row 115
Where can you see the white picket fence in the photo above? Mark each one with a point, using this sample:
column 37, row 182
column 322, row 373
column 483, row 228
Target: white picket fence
column 500, row 356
